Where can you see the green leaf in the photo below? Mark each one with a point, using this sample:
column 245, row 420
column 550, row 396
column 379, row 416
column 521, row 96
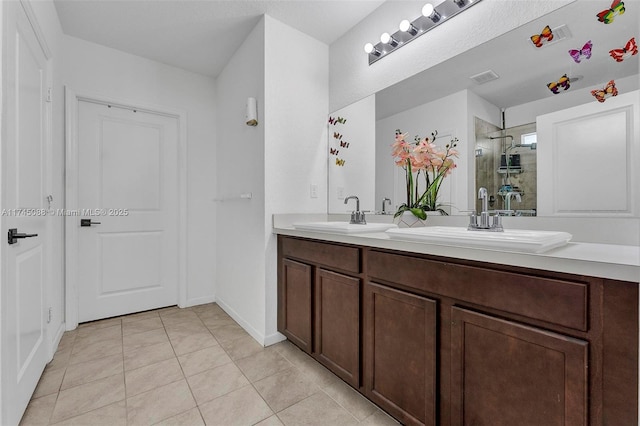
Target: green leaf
column 419, row 213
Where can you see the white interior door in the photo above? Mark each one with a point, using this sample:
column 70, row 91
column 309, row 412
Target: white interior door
column 24, row 137
column 128, row 186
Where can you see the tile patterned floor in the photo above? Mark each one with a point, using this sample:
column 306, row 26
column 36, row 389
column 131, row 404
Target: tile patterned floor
column 188, row 367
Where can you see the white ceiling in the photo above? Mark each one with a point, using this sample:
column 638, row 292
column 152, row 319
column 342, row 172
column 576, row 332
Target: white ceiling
column 200, row 35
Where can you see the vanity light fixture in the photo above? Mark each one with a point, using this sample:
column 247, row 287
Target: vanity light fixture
column 409, row 30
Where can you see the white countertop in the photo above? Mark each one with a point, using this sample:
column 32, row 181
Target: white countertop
column 619, row 262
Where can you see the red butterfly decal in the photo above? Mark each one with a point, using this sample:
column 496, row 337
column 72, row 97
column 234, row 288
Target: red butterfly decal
column 344, row 144
column 609, row 90
column 630, row 49
column 333, row 151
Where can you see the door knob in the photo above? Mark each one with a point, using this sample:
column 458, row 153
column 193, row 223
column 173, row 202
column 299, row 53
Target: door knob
column 88, row 222
column 13, row 235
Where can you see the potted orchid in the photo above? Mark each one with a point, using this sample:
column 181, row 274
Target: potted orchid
column 423, row 161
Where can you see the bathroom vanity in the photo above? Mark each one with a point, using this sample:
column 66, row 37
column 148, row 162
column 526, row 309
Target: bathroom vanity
column 438, row 335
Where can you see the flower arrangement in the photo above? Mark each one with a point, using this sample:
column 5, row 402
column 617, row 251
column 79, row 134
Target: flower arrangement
column 422, row 158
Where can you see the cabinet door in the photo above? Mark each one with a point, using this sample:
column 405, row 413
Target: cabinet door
column 295, row 317
column 504, row 373
column 400, row 353
column 337, row 338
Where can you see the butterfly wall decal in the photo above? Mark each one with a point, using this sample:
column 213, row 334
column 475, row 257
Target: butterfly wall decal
column 337, row 120
column 339, row 162
column 344, row 144
column 606, row 16
column 333, row 151
column 341, row 120
column 337, row 135
column 539, row 39
column 562, row 83
column 585, row 52
column 609, row 90
column 630, row 49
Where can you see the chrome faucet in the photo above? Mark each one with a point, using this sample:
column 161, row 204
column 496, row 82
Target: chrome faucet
column 384, row 201
column 357, row 217
column 507, row 199
column 496, row 223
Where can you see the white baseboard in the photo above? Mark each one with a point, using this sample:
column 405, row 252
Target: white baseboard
column 259, row 337
column 274, row 338
column 53, row 346
column 199, row 301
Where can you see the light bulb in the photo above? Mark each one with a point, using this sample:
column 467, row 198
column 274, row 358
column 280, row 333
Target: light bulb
column 407, row 27
column 427, row 10
column 385, row 38
column 368, row 48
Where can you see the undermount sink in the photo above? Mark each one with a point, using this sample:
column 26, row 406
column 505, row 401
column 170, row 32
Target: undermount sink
column 344, row 227
column 511, row 239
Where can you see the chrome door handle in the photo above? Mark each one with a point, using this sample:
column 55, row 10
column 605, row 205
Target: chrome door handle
column 88, row 222
column 13, row 235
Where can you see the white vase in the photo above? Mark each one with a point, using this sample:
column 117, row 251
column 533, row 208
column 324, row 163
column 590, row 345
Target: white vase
column 409, row 220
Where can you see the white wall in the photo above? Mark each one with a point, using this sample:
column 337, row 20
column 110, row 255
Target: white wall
column 240, row 224
column 296, row 108
column 276, row 161
column 90, row 68
column 351, row 78
column 357, row 175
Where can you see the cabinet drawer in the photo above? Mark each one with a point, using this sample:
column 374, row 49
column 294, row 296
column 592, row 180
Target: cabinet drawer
column 555, row 301
column 332, row 255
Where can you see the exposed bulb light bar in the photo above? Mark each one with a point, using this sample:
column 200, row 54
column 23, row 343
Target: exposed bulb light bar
column 431, row 17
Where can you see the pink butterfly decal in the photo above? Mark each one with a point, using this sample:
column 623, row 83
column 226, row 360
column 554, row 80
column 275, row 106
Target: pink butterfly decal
column 609, row 90
column 584, row 52
column 630, row 49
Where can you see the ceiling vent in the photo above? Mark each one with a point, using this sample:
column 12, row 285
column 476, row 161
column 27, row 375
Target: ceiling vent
column 485, row 77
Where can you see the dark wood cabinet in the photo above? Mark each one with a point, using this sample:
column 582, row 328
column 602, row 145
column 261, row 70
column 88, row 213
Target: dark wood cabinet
column 441, row 341
column 400, row 353
column 337, row 327
column 319, row 288
column 295, row 319
column 504, row 374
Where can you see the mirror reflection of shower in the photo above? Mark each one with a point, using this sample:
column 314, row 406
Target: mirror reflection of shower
column 506, row 166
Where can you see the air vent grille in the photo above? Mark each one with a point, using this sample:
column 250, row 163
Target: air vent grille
column 485, row 77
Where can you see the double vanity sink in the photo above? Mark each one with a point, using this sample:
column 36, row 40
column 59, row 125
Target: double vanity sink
column 526, row 241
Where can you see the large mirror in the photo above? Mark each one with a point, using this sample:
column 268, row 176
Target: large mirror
column 500, row 122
